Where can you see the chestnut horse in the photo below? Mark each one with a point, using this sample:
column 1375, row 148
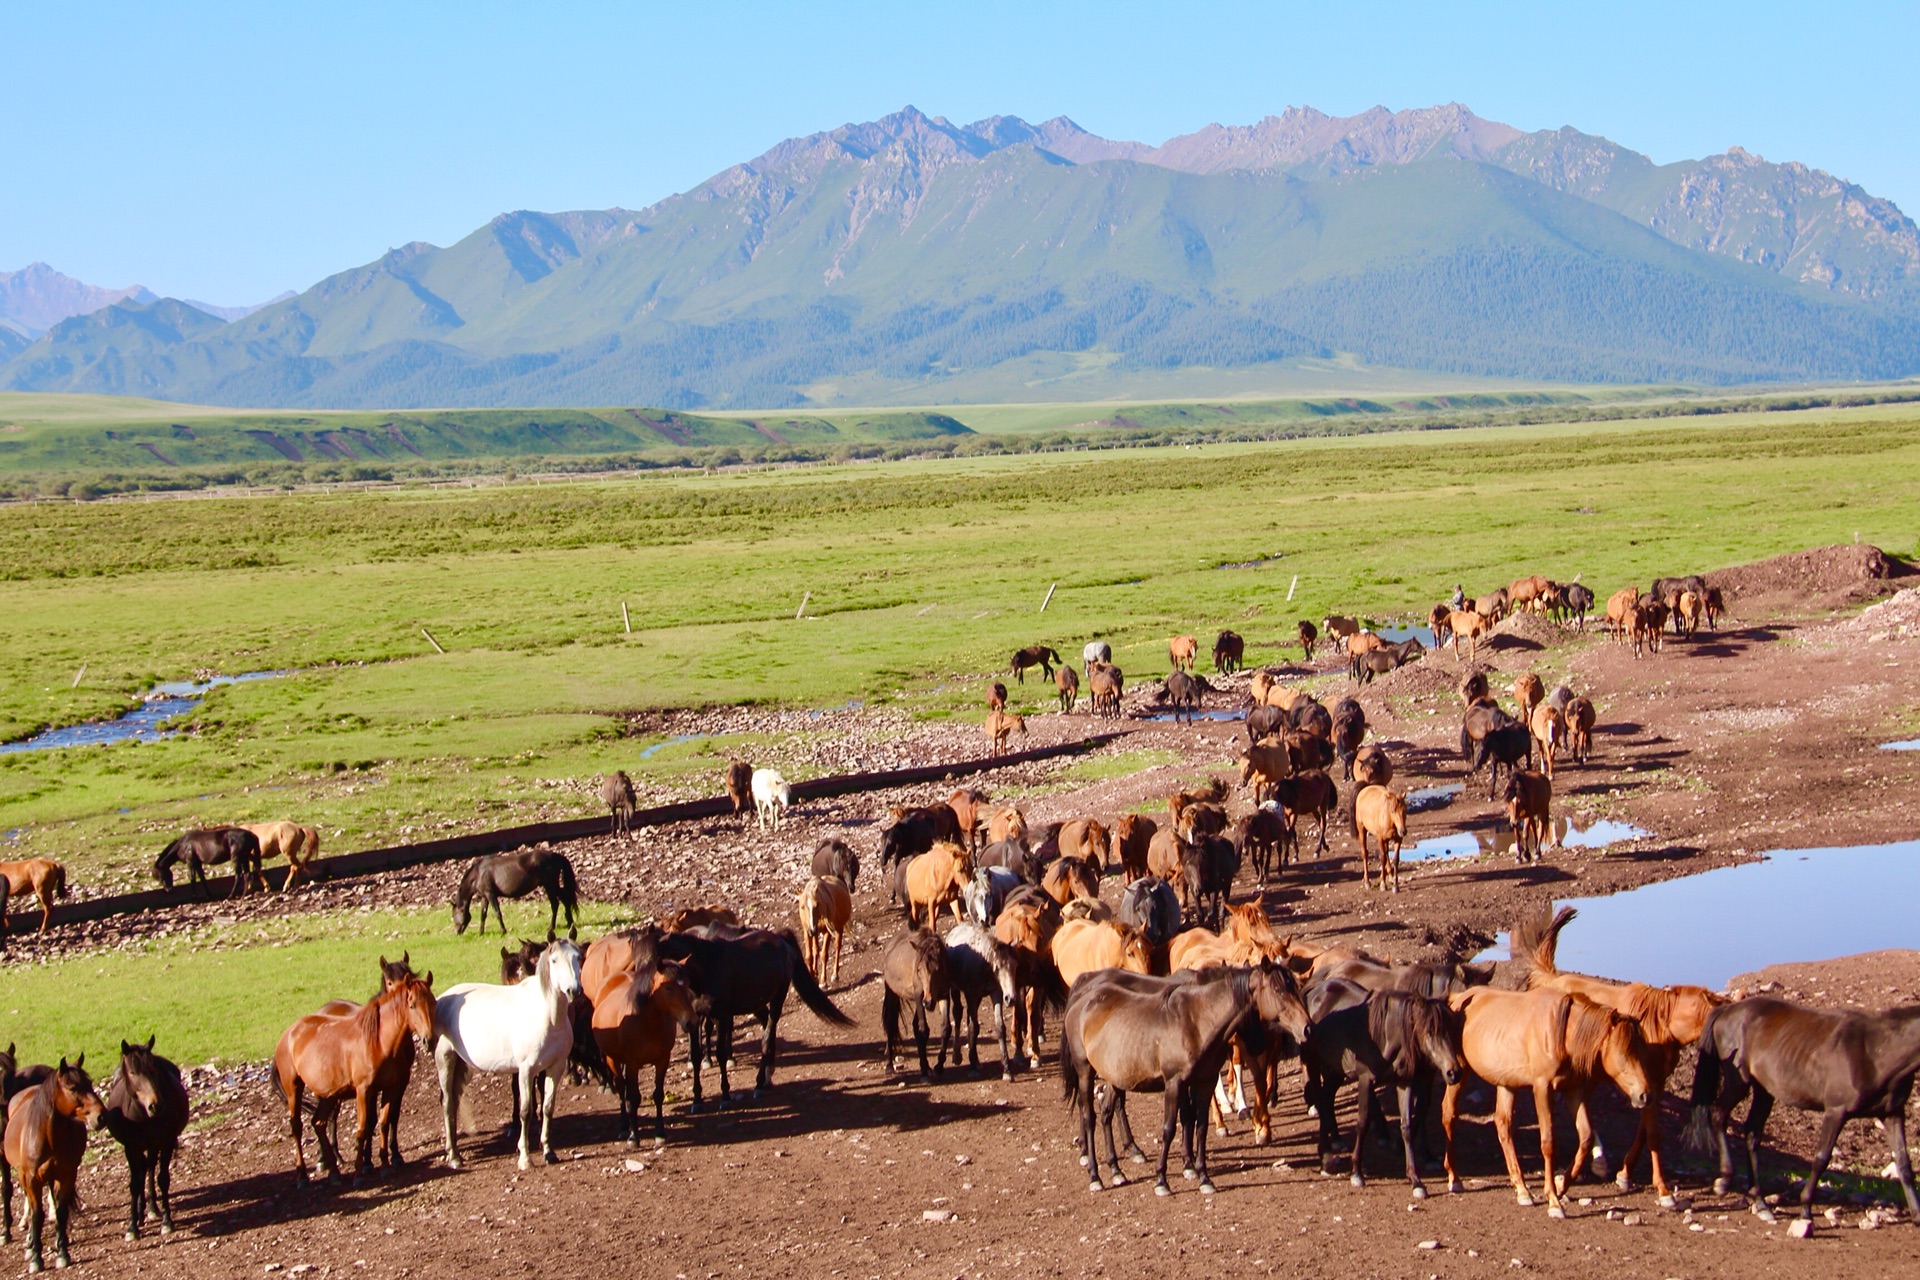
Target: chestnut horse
column 44, row 877
column 826, row 908
column 635, row 1018
column 1082, row 946
column 46, row 1136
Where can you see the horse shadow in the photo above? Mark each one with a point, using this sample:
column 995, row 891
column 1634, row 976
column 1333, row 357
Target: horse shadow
column 1665, row 853
column 1501, row 643
column 227, row 1208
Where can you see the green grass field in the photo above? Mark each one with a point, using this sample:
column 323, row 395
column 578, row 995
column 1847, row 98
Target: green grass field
column 919, row 574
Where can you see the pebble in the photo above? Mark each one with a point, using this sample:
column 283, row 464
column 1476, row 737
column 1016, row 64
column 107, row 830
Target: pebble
column 1631, row 1220
column 636, row 1166
column 937, row 1215
column 1428, row 1244
column 1800, row 1228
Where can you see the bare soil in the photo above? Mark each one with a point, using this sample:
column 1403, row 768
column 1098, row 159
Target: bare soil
column 1759, row 736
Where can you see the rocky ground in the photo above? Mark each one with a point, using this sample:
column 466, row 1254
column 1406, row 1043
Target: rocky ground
column 1759, row 736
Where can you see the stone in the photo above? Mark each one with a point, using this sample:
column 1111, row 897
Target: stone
column 1800, row 1228
column 938, row 1215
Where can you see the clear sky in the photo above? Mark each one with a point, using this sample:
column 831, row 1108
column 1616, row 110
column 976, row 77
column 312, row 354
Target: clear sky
column 227, row 151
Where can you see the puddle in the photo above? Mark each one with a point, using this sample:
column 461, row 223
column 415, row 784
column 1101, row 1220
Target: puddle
column 1399, row 635
column 674, row 742
column 1799, row 904
column 1598, row 836
column 1461, row 844
column 1204, row 715
column 145, row 723
column 1421, row 799
column 1467, row 844
column 851, row 704
column 1907, row 744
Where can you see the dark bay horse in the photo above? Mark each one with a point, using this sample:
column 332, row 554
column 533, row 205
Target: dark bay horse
column 1841, row 1064
column 203, row 847
column 616, row 792
column 1034, row 655
column 146, row 1112
column 917, row 981
column 46, row 1136
column 494, row 876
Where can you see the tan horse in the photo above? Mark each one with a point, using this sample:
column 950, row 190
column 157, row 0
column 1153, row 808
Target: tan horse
column 1618, row 604
column 1551, row 1043
column 1181, row 651
column 1528, row 693
column 825, row 910
column 1081, row 946
column 693, row 917
column 297, row 844
column 44, row 877
column 1468, row 626
column 1027, row 930
column 935, row 879
column 1381, row 813
column 1084, row 838
column 1000, row 726
column 635, row 1019
column 1067, row 878
column 1269, row 692
column 1580, row 719
column 1549, row 729
column 1246, row 937
column 1670, row 1019
column 1007, row 824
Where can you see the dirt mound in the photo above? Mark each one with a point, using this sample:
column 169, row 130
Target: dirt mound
column 1822, row 578
column 1527, row 631
column 1427, row 677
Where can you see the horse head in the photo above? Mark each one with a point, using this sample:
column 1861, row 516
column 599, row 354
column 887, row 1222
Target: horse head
column 559, row 968
column 1277, row 999
column 1623, row 1054
column 73, row 1094
column 1433, row 1033
column 136, row 1075
column 417, row 993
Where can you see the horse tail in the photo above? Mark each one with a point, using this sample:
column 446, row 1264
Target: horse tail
column 1706, row 1087
column 1069, row 1072
column 586, row 1054
column 809, row 990
column 1466, row 742
column 1534, row 943
column 569, row 885
column 57, row 881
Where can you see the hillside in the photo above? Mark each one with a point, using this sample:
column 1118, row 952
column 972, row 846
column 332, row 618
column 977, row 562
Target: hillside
column 920, row 261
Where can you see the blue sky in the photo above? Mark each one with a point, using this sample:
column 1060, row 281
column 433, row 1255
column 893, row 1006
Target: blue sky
column 228, row 151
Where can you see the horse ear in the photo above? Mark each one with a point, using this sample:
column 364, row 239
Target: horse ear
column 151, row 1039
column 63, row 1063
column 80, row 1062
column 406, row 958
column 429, row 978
column 125, row 1048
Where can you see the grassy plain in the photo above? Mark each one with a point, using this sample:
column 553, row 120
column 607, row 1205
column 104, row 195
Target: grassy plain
column 920, row 573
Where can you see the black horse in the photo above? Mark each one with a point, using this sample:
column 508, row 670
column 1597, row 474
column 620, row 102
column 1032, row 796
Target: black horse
column 203, row 847
column 146, row 1112
column 494, row 876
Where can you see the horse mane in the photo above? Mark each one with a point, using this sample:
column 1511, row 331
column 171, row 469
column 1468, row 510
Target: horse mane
column 1586, row 1026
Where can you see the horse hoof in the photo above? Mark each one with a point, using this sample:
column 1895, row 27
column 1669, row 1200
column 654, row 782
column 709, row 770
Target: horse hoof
column 34, row 1267
column 1555, row 1211
column 1419, row 1192
column 1455, row 1186
column 1719, row 1186
column 1119, row 1179
column 1357, row 1180
column 1669, row 1202
column 1206, row 1187
column 1084, row 1162
column 1762, row 1212
column 550, row 1157
column 131, row 1235
column 1623, row 1182
column 1188, row 1174
column 1600, row 1168
column 166, row 1228
column 1162, row 1189
column 525, row 1164
column 1522, row 1199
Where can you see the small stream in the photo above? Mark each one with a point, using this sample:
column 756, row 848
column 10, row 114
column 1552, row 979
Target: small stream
column 163, row 703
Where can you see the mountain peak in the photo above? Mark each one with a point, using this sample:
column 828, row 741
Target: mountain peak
column 37, row 297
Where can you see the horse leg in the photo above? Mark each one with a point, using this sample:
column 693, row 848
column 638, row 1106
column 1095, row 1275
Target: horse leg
column 453, row 1081
column 163, row 1188
column 1543, row 1109
column 6, row 1202
column 770, row 1049
column 136, row 1190
column 693, row 1063
column 1830, row 1127
column 366, row 1108
column 1407, row 1143
column 659, row 1100
column 1902, row 1164
column 1583, row 1139
column 550, row 1089
column 1449, row 1112
column 36, row 1221
column 920, row 1036
column 1114, row 1101
column 63, row 1198
column 1169, row 1121
column 1503, row 1129
column 1362, row 1118
column 1198, row 1129
column 1757, row 1112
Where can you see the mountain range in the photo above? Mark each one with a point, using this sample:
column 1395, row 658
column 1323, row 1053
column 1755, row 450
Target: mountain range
column 36, row 297
column 911, row 258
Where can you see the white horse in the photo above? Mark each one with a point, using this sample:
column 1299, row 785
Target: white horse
column 526, row 1028
column 771, row 796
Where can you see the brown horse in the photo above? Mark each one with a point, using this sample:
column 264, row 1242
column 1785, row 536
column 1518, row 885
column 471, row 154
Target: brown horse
column 635, row 1019
column 1105, row 685
column 1007, row 824
column 1842, row 1064
column 1025, row 926
column 826, row 907
column 1309, row 794
column 1308, row 634
column 996, row 696
column 969, row 807
column 616, row 792
column 1084, row 838
column 1528, row 693
column 1382, row 814
column 336, row 1054
column 46, row 1137
column 43, row 877
column 1580, row 718
column 1132, row 835
column 999, row 727
column 1034, row 655
column 297, row 844
column 935, row 879
column 1550, row 1042
column 1372, row 766
column 1229, row 652
column 1262, row 838
column 694, row 917
column 1067, row 878
column 1081, row 946
column 914, row 972
column 1529, row 812
column 1067, row 681
column 740, row 788
column 1670, row 1018
column 1549, row 730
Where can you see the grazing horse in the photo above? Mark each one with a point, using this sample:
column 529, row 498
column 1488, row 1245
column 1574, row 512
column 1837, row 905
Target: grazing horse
column 1081, row 946
column 43, row 877
column 526, row 1028
column 616, row 792
column 1382, row 814
column 334, row 1054
column 739, row 972
column 1392, row 1038
column 46, row 1136
column 1307, row 634
column 1529, row 812
column 1229, row 652
column 1550, row 1042
column 1181, row 651
column 1067, row 681
column 915, row 974
column 826, row 908
column 635, row 1018
column 1166, row 1034
column 1000, row 726
column 146, row 1112
column 935, row 879
column 1670, row 1018
column 1105, row 684
column 1842, row 1064
column 740, row 788
column 980, row 967
column 297, row 844
column 1034, row 655
column 494, row 876
column 772, row 797
column 836, row 858
column 204, row 847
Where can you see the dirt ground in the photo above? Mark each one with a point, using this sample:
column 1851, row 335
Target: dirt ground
column 1760, row 735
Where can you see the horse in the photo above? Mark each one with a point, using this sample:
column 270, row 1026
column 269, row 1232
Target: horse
column 996, row 696
column 1208, row 872
column 1096, row 651
column 1529, row 812
column 1081, row 946
column 1181, row 651
column 1067, row 878
column 46, row 1137
column 204, row 847
column 836, row 858
column 1391, row 1038
column 1372, row 766
column 390, row 1082
column 980, row 967
column 1009, row 823
column 1670, row 1019
column 335, row 1052
column 1381, row 813
column 1034, row 655
column 1578, row 601
column 493, row 876
column 1469, row 626
column 616, row 792
column 739, row 788
column 986, row 892
column 1132, row 834
column 916, row 830
column 1549, row 729
column 1620, row 605
column 517, row 963
column 1349, row 731
column 44, row 877
column 935, row 879
column 1528, row 693
column 695, row 917
column 1263, row 836
column 146, row 1112
column 1307, row 634
column 1105, row 684
column 1229, row 652
column 1473, row 690
column 1182, row 692
column 914, row 973
column 635, row 1017
column 1690, row 613
column 1000, row 726
column 969, row 806
column 1551, row 1042
column 1150, row 906
column 826, row 908
column 1067, row 681
column 1169, row 1034
column 1842, row 1064
column 526, row 1028
column 297, row 844
column 1509, row 744
column 1312, row 793
column 771, row 797
column 1580, row 718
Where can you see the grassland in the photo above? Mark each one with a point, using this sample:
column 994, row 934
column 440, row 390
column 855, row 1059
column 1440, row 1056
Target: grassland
column 918, row 574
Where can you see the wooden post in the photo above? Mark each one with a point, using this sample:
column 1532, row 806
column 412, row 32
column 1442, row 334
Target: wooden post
column 624, row 618
column 801, row 612
column 431, row 640
column 1049, row 599
column 76, row 676
column 1292, row 585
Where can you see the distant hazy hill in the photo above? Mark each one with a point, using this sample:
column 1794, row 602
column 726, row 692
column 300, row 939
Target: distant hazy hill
column 36, row 297
column 914, row 256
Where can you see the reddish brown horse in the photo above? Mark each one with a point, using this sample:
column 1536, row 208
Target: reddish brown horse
column 635, row 1019
column 332, row 1055
column 45, row 1140
column 42, row 877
